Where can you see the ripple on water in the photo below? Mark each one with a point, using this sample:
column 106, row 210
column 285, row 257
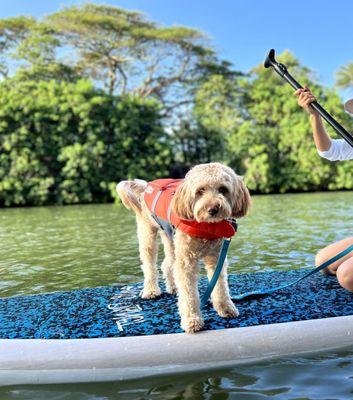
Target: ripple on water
column 65, row 247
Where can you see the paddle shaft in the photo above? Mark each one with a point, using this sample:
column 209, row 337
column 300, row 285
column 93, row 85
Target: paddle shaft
column 283, row 72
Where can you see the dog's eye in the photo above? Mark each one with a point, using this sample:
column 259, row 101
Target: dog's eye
column 200, row 191
column 223, row 190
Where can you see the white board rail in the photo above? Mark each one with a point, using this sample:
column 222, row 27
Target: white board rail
column 40, row 361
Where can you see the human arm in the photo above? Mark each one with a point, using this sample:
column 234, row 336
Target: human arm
column 321, row 138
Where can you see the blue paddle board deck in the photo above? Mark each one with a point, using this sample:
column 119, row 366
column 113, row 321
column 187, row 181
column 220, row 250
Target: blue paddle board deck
column 118, row 311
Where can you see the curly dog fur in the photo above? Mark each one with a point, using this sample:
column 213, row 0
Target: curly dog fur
column 209, row 193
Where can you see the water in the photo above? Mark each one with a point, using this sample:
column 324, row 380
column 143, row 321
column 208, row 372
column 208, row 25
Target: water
column 59, row 248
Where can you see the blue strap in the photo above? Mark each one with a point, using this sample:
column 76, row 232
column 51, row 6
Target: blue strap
column 222, row 256
column 313, row 271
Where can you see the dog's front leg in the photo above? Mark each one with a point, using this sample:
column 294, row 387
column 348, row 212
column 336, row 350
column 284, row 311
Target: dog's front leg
column 186, row 276
column 220, row 296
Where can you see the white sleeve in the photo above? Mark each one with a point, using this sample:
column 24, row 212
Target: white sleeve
column 340, row 150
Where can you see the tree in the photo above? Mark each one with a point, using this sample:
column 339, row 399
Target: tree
column 12, row 32
column 200, row 135
column 130, row 53
column 121, row 50
column 70, row 143
column 194, row 144
column 29, row 48
column 344, row 77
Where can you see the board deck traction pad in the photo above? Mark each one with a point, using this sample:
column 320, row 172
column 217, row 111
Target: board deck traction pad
column 116, row 311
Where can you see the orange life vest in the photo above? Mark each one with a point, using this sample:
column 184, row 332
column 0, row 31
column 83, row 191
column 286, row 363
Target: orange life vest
column 158, row 196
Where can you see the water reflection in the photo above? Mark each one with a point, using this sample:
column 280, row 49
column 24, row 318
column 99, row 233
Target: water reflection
column 319, row 377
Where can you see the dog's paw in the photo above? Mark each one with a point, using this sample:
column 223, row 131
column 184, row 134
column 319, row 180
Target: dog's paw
column 226, row 309
column 192, row 324
column 147, row 293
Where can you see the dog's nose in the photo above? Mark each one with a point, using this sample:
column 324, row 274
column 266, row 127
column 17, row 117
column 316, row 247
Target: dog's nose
column 213, row 211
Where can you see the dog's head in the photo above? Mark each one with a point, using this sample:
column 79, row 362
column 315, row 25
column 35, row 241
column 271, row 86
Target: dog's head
column 211, row 193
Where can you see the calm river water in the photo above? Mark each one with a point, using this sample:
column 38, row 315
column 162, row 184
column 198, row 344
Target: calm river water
column 59, row 248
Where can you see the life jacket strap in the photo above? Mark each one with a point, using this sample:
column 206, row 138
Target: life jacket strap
column 169, row 214
column 166, row 226
column 153, row 207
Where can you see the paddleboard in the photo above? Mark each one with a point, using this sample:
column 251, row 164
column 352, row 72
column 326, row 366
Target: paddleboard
column 109, row 333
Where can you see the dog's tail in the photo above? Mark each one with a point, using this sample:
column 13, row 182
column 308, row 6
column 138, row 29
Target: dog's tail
column 130, row 193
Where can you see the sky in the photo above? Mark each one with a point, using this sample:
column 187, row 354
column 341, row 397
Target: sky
column 318, row 32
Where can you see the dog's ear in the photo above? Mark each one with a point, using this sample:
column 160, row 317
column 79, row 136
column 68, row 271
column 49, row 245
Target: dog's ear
column 182, row 202
column 242, row 201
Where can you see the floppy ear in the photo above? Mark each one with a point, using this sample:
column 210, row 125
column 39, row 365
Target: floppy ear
column 182, row 202
column 242, row 201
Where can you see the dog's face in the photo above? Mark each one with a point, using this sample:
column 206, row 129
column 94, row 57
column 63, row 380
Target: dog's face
column 211, row 193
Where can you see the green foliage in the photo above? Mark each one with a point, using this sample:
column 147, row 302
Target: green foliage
column 217, row 104
column 200, row 135
column 12, row 31
column 126, row 51
column 197, row 144
column 344, row 77
column 70, row 143
column 32, row 45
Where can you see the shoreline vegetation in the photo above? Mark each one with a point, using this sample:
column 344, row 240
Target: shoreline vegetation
column 115, row 200
column 94, row 94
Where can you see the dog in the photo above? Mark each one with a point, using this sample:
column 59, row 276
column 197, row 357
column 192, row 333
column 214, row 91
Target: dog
column 209, row 194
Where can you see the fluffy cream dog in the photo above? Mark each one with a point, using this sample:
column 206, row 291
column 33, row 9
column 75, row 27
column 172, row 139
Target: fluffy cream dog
column 209, row 193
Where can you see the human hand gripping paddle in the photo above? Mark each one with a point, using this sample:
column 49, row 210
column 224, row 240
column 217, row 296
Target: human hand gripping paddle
column 282, row 70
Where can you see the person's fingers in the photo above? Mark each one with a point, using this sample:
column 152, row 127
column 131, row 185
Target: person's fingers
column 308, row 101
column 303, row 93
column 306, row 95
column 305, row 98
column 308, row 90
column 302, row 96
column 301, row 90
column 309, row 97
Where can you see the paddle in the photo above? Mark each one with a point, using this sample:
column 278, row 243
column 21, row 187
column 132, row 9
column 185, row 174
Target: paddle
column 281, row 70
